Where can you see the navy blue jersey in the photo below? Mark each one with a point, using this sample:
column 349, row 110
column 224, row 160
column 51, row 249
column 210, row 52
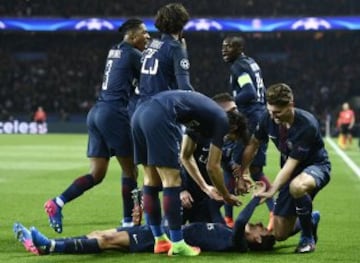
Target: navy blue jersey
column 196, row 112
column 302, row 141
column 209, row 236
column 121, row 75
column 165, row 66
column 201, row 156
column 247, row 85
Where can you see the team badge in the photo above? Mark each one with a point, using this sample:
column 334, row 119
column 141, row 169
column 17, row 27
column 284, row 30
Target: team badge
column 185, row 64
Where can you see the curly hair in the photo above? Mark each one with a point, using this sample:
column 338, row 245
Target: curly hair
column 171, row 18
column 238, row 125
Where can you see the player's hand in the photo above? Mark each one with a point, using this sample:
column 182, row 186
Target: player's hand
column 266, row 194
column 257, row 188
column 213, row 193
column 186, row 199
column 232, row 200
column 237, row 171
column 242, row 186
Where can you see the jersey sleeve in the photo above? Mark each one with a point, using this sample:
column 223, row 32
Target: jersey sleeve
column 182, row 66
column 261, row 130
column 247, row 92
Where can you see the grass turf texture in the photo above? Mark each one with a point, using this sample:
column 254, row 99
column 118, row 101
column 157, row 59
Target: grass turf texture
column 35, row 168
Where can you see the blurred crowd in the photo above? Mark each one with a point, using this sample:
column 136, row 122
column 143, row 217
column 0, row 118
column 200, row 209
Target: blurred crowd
column 63, row 72
column 23, row 8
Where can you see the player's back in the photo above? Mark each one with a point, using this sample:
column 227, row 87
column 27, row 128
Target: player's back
column 248, row 65
column 121, row 74
column 162, row 60
column 197, row 112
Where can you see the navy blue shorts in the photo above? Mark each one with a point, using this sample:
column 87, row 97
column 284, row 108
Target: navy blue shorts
column 141, row 238
column 109, row 131
column 285, row 203
column 156, row 135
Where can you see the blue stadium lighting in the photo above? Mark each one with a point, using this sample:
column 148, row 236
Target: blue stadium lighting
column 197, row 24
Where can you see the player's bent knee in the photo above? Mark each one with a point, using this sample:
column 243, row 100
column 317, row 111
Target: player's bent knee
column 297, row 188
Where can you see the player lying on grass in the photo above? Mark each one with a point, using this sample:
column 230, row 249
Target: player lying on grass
column 207, row 236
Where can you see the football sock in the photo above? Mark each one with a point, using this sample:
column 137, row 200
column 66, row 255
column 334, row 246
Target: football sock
column 214, row 210
column 228, row 210
column 70, row 238
column 128, row 184
column 77, row 246
column 152, row 209
column 297, row 226
column 303, row 211
column 77, row 188
column 172, row 211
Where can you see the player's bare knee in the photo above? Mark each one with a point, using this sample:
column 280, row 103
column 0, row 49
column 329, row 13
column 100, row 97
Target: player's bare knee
column 94, row 234
column 297, row 188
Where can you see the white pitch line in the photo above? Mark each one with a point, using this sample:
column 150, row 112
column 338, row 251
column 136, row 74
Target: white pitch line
column 344, row 156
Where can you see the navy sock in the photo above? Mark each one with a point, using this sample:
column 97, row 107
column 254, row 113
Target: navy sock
column 77, row 188
column 214, row 210
column 70, row 238
column 303, row 211
column 77, row 246
column 127, row 185
column 228, row 210
column 297, row 226
column 152, row 209
column 172, row 211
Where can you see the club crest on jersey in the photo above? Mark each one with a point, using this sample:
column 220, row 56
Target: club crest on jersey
column 185, row 64
column 289, row 145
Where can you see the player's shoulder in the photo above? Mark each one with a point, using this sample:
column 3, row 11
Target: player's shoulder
column 306, row 119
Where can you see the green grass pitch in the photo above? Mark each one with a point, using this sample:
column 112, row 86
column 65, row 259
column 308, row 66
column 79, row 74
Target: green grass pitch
column 34, row 168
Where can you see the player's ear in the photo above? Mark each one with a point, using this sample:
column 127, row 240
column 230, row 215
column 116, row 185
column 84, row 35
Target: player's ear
column 258, row 239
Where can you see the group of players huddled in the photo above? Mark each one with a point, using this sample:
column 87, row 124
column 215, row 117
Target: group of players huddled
column 198, row 151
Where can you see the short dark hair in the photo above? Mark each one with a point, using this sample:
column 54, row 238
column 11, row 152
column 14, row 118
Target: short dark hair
column 279, row 94
column 130, row 24
column 267, row 243
column 236, row 40
column 171, row 18
column 223, row 97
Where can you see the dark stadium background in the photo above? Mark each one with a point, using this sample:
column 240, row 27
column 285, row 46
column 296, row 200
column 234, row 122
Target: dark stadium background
column 62, row 71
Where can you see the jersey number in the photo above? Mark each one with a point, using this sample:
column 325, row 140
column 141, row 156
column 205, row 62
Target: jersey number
column 153, row 64
column 260, row 87
column 106, row 74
